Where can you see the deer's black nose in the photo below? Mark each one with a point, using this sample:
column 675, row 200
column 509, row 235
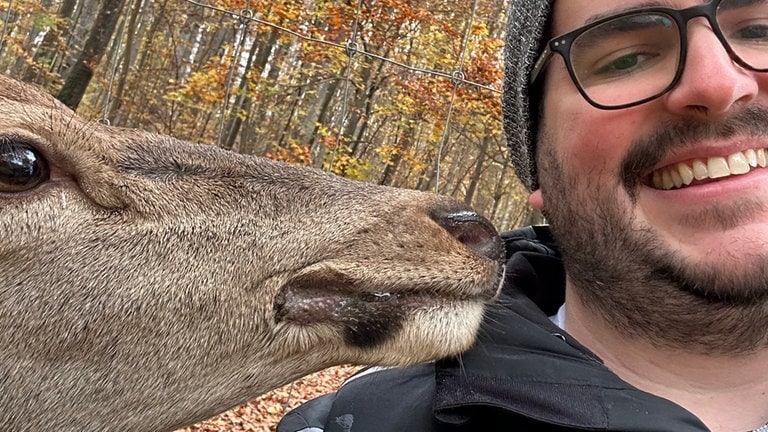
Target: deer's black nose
column 473, row 230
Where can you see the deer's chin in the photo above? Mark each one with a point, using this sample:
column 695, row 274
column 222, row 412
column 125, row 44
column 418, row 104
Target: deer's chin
column 432, row 334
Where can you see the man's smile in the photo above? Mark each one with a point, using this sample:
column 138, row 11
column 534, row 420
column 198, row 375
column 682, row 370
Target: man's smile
column 684, row 174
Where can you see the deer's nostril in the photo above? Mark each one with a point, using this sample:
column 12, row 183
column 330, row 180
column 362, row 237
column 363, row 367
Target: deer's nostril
column 474, row 231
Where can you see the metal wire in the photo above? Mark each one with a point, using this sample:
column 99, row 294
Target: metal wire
column 351, row 49
column 457, row 77
column 447, row 75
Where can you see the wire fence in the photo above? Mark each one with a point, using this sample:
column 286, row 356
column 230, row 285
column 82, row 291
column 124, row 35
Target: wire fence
column 351, row 48
column 415, row 107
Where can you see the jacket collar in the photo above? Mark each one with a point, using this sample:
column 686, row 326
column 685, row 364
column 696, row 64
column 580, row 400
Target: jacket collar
column 525, row 367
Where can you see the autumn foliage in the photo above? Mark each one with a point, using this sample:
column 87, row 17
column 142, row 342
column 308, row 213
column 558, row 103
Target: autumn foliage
column 404, row 93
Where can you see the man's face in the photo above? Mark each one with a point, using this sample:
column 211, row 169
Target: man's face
column 635, row 249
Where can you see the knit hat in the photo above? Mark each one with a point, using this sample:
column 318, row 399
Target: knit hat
column 525, row 27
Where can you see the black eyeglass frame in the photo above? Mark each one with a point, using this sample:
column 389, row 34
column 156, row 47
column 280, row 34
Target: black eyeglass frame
column 562, row 45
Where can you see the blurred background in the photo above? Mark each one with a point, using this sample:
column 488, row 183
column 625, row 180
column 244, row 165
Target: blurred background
column 395, row 92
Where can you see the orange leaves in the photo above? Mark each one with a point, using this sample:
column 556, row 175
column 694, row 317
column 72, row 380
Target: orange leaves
column 204, row 88
column 399, row 12
column 292, row 153
column 350, row 167
column 343, row 163
column 390, row 152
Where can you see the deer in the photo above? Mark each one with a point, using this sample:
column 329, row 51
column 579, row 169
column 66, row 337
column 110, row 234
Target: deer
column 147, row 283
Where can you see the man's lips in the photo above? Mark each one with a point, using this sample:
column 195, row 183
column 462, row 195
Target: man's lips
column 691, row 172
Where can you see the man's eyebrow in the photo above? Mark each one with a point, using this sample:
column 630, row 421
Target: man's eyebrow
column 647, row 4
column 739, row 3
column 725, row 5
column 631, row 24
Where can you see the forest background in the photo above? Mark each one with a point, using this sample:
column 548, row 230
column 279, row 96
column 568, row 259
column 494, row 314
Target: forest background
column 395, row 92
column 403, row 93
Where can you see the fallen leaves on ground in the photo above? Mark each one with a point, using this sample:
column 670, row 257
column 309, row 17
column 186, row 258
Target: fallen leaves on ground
column 262, row 414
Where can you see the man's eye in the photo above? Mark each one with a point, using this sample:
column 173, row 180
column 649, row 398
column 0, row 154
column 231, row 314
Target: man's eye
column 22, row 167
column 756, row 33
column 622, row 64
column 625, row 62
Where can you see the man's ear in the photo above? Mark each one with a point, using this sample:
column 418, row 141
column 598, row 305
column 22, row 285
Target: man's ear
column 536, row 200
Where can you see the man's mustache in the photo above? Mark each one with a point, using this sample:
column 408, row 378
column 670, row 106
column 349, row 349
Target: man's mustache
column 671, row 136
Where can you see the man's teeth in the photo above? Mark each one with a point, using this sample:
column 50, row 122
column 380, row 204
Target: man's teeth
column 684, row 173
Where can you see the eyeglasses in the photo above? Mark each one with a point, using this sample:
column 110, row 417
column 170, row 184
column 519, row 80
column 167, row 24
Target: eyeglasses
column 636, row 56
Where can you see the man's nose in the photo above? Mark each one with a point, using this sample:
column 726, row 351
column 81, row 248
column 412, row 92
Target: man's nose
column 711, row 82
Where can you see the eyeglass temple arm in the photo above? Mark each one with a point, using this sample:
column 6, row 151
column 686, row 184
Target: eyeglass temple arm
column 539, row 65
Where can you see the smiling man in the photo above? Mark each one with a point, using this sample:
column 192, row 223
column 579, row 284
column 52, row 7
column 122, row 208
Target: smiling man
column 641, row 128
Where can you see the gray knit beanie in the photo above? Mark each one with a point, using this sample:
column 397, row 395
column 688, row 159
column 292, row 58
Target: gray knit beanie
column 525, row 27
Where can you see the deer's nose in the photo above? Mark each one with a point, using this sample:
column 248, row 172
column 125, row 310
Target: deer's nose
column 473, row 230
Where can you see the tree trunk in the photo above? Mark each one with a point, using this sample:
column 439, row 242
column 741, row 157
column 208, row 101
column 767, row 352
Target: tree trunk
column 9, row 17
column 404, row 143
column 95, row 46
column 117, row 99
column 285, row 133
column 474, row 180
column 257, row 61
column 51, row 46
column 153, row 15
column 147, row 43
column 372, row 82
column 318, row 149
column 80, row 26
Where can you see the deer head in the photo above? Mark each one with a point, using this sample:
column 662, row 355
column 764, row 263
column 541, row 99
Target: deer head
column 147, row 283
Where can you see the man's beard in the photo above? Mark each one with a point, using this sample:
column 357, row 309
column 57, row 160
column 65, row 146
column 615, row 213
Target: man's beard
column 622, row 270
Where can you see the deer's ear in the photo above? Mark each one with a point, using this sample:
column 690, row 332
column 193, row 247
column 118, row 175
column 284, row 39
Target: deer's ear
column 536, row 199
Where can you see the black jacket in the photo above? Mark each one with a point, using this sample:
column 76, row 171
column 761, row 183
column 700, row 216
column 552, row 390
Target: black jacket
column 523, row 374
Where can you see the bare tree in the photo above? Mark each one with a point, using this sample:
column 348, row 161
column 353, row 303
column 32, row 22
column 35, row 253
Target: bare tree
column 95, row 46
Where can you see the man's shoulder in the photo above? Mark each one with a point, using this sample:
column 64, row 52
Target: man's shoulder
column 535, row 238
column 374, row 400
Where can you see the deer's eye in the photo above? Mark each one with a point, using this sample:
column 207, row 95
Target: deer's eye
column 22, row 167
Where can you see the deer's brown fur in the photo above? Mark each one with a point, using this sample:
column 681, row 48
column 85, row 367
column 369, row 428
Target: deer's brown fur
column 147, row 283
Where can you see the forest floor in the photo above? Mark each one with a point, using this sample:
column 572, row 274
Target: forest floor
column 262, row 414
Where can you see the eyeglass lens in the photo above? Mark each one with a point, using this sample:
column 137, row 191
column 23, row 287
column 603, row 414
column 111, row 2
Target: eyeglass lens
column 635, row 57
